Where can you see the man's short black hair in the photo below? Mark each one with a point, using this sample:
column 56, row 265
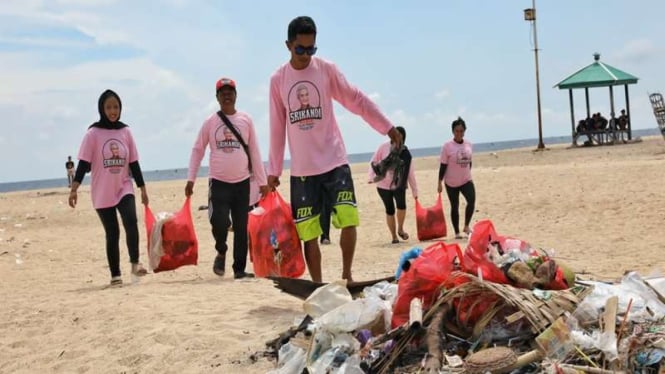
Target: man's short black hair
column 301, row 25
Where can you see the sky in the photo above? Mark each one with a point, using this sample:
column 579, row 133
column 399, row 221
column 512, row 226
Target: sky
column 423, row 62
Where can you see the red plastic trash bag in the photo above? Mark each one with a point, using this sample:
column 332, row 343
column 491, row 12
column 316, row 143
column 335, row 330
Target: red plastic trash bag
column 275, row 248
column 430, row 222
column 172, row 240
column 423, row 279
column 475, row 260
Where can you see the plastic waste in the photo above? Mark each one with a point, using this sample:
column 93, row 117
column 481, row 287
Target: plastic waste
column 645, row 303
column 327, row 298
column 368, row 312
column 405, row 257
column 291, row 360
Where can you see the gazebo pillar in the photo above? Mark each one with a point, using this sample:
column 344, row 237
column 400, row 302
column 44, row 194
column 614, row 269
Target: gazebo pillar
column 630, row 119
column 612, row 102
column 572, row 113
column 586, row 95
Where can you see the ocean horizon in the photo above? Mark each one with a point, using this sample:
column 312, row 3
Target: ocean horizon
column 181, row 173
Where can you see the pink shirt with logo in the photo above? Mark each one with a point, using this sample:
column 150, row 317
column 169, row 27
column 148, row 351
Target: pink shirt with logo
column 228, row 161
column 386, row 183
column 458, row 158
column 109, row 153
column 301, row 108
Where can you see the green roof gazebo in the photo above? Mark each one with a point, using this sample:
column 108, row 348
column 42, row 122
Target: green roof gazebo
column 598, row 74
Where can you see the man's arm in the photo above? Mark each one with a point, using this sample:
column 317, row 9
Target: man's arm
column 277, row 134
column 358, row 103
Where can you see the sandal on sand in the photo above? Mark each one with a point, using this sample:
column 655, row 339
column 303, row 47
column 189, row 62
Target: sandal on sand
column 403, row 235
column 459, row 236
column 395, row 241
column 139, row 270
column 116, row 281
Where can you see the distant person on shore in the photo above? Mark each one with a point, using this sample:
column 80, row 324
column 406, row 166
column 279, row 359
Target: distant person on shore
column 455, row 172
column 234, row 158
column 392, row 188
column 69, row 166
column 111, row 187
column 319, row 164
column 623, row 120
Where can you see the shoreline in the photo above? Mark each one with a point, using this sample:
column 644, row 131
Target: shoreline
column 168, row 174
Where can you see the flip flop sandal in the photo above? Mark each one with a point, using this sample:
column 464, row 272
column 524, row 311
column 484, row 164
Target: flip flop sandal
column 403, row 235
column 395, row 241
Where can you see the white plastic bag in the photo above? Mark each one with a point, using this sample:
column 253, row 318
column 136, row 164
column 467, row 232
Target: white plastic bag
column 327, row 298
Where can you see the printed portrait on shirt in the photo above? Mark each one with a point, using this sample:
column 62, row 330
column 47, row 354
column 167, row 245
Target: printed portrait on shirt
column 114, row 155
column 463, row 157
column 304, row 105
column 225, row 140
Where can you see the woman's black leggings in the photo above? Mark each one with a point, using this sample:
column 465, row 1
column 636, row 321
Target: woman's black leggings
column 109, row 218
column 469, row 192
column 391, row 198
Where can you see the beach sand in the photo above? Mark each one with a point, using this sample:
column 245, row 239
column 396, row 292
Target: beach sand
column 600, row 209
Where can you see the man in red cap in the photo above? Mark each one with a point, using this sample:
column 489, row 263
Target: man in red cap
column 234, row 158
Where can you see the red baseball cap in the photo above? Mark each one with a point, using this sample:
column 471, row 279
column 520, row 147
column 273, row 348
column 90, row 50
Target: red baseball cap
column 225, row 82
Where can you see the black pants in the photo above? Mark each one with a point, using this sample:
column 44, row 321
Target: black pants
column 391, row 198
column 469, row 192
column 127, row 209
column 224, row 198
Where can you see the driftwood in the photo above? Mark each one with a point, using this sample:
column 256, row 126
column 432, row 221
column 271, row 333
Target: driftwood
column 284, row 337
column 433, row 340
column 302, row 288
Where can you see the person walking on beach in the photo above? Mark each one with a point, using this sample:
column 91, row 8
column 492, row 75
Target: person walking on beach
column 111, row 187
column 69, row 166
column 234, row 158
column 319, row 164
column 455, row 172
column 393, row 184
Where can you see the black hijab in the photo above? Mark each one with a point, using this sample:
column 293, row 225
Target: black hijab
column 104, row 122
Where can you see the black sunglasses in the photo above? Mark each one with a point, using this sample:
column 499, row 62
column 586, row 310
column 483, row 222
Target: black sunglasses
column 300, row 50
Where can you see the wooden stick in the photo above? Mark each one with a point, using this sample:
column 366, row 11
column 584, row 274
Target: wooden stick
column 433, row 363
column 623, row 321
column 589, row 369
column 523, row 360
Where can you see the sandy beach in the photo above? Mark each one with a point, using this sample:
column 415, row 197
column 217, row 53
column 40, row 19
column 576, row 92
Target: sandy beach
column 600, row 209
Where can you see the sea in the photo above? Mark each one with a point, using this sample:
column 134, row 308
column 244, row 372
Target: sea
column 181, row 173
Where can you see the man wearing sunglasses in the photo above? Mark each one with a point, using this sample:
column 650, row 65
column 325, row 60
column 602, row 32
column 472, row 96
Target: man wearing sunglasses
column 319, row 164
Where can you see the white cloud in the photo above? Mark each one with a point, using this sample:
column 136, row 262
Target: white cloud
column 441, row 95
column 637, row 50
column 375, row 96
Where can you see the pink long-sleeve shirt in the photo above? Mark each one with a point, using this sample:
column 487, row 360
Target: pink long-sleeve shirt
column 458, row 157
column 228, row 160
column 386, row 183
column 301, row 108
column 109, row 153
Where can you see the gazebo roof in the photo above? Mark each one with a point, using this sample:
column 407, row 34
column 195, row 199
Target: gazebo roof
column 598, row 74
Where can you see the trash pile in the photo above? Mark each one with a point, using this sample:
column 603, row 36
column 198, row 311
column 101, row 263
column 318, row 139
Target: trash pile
column 499, row 306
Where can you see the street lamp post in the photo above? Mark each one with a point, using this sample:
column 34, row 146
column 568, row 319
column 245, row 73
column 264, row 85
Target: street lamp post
column 530, row 15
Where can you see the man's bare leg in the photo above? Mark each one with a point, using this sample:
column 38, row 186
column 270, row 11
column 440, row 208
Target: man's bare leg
column 347, row 241
column 313, row 258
